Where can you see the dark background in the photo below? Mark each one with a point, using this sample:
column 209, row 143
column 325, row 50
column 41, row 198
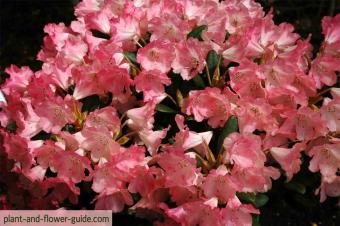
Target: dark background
column 21, row 35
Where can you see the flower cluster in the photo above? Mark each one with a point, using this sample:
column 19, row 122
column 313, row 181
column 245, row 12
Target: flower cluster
column 171, row 109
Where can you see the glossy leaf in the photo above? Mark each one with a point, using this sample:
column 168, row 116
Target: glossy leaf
column 296, row 186
column 198, row 82
column 258, row 200
column 230, row 127
column 197, row 32
column 165, row 109
column 131, row 57
column 212, row 60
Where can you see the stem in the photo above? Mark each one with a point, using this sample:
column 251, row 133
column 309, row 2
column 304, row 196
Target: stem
column 172, row 99
column 131, row 64
column 208, row 74
column 205, row 165
column 138, row 44
column 323, row 92
column 124, row 124
column 123, row 116
column 142, row 39
column 318, row 96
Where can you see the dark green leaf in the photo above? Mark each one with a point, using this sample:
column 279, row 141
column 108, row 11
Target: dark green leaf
column 296, row 186
column 212, row 60
column 256, row 220
column 3, row 77
column 131, row 57
column 42, row 136
column 69, row 128
column 90, row 103
column 257, row 200
column 198, row 81
column 260, row 200
column 165, row 109
column 247, row 197
column 100, row 34
column 303, row 200
column 197, row 32
column 230, row 127
column 12, row 127
column 189, row 118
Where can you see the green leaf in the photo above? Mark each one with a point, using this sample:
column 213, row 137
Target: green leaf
column 90, row 103
column 296, row 186
column 230, row 127
column 69, row 128
column 12, row 127
column 256, row 220
column 260, row 200
column 212, row 60
column 198, row 82
column 131, row 57
column 42, row 136
column 100, row 34
column 305, row 201
column 165, row 109
column 197, row 32
column 246, row 197
column 189, row 118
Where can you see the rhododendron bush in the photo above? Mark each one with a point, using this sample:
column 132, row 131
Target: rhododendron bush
column 179, row 111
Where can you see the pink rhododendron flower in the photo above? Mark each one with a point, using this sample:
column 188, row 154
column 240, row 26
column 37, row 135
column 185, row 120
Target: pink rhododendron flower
column 330, row 189
column 180, row 169
column 330, row 28
column 117, row 81
column 168, row 27
column 99, row 142
column 152, row 139
column 69, row 165
column 244, row 151
column 127, row 28
column 237, row 213
column 256, row 114
column 114, row 202
column 141, row 119
column 151, row 83
column 208, row 104
column 195, row 213
column 190, row 58
column 187, row 139
column 18, row 81
column 129, row 158
column 86, row 82
column 54, row 114
column 324, row 70
column 219, row 184
column 326, row 159
column 157, row 55
column 289, row 159
column 256, row 179
column 305, row 124
column 104, row 117
column 330, row 113
column 107, row 180
column 16, row 148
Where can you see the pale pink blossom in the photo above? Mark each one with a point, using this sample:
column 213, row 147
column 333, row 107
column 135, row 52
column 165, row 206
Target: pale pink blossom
column 288, row 158
column 156, row 55
column 208, row 104
column 151, row 83
column 326, row 159
column 243, row 151
column 190, row 58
